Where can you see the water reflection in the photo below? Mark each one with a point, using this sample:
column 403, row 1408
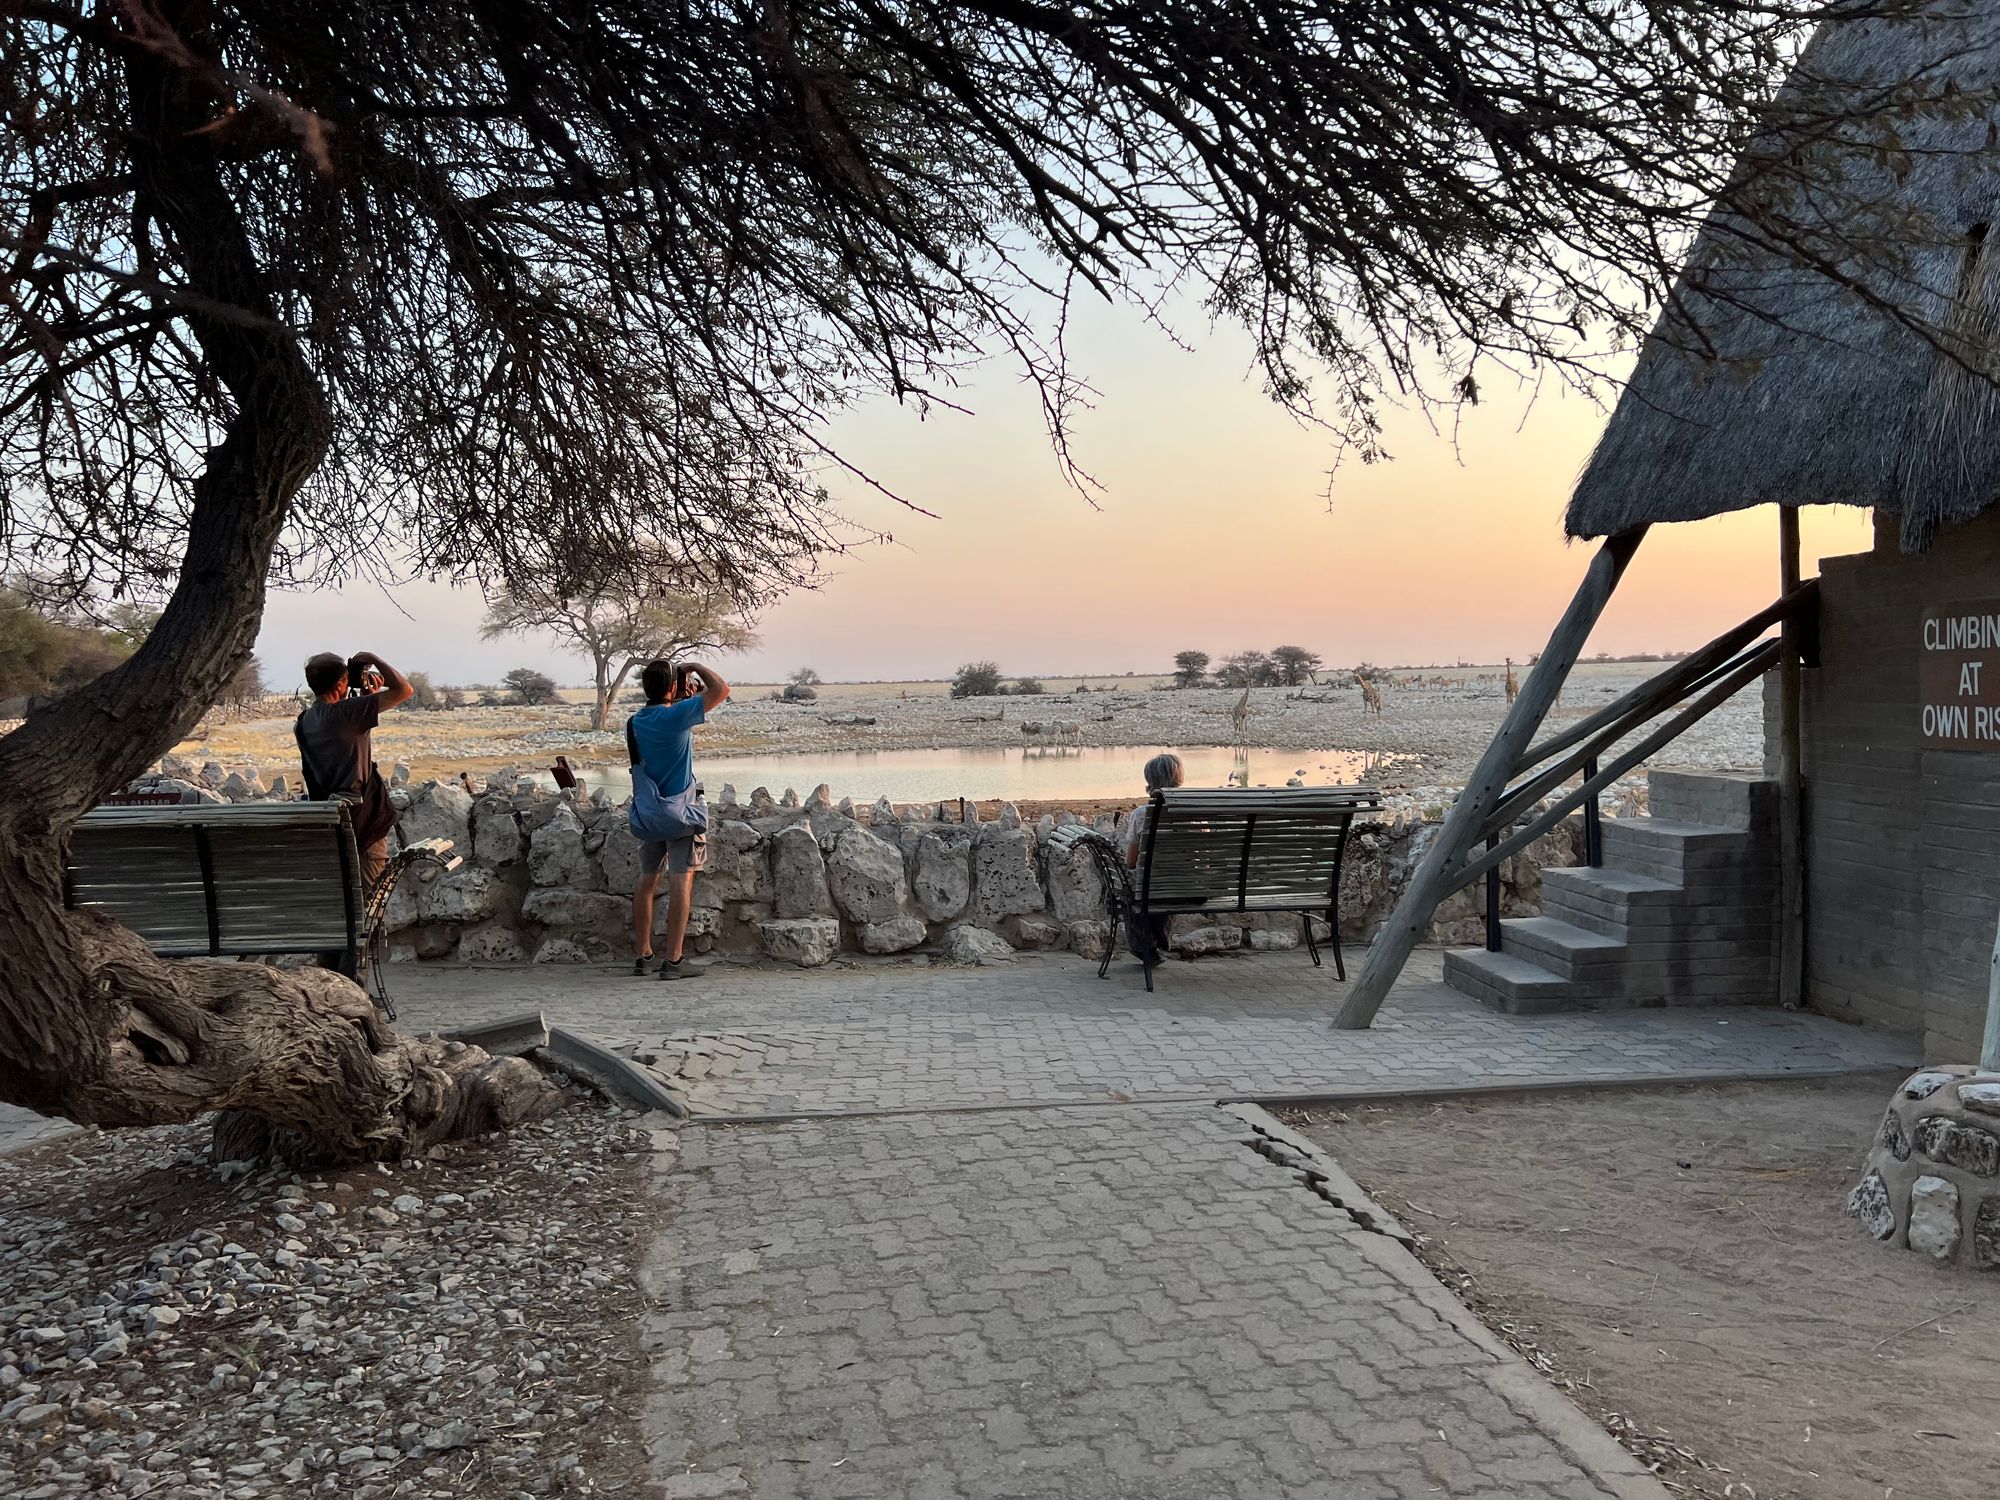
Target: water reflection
column 1036, row 773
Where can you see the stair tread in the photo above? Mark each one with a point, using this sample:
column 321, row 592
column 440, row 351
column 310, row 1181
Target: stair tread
column 1508, row 966
column 1670, row 827
column 1556, row 931
column 1610, row 877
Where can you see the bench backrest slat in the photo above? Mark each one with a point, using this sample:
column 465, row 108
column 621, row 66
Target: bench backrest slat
column 216, row 880
column 1248, row 849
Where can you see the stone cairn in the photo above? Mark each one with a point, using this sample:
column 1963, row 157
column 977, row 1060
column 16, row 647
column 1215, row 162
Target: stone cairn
column 1933, row 1179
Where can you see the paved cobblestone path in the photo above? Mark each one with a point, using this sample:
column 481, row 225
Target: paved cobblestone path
column 1077, row 1303
column 1045, row 1030
column 955, row 1282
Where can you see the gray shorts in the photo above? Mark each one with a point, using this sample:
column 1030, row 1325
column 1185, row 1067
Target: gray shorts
column 680, row 857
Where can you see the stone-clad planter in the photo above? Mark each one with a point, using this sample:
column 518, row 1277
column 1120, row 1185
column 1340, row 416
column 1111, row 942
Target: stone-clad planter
column 1933, row 1178
column 548, row 876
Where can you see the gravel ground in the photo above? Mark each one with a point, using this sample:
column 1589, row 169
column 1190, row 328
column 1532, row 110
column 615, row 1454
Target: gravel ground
column 461, row 1326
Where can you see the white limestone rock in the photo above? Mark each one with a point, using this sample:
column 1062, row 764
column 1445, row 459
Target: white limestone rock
column 897, row 935
column 942, row 882
column 1038, row 931
column 1090, row 939
column 1982, row 1097
column 966, row 944
column 737, row 869
column 617, row 856
column 560, row 950
column 556, row 855
column 563, row 910
column 1076, row 890
column 1199, row 940
column 865, row 876
column 440, row 810
column 798, row 875
column 805, row 941
column 490, row 943
column 1934, row 1217
column 471, row 893
column 1923, row 1085
column 496, row 831
column 1004, row 882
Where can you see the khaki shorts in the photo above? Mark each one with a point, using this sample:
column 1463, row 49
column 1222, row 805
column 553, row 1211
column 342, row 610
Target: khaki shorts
column 680, row 857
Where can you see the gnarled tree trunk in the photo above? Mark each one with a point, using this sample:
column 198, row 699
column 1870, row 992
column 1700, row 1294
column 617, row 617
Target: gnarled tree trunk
column 93, row 1026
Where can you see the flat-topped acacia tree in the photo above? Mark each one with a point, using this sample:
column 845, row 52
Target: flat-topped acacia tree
column 292, row 290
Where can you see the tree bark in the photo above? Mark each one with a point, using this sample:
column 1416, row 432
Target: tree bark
column 601, row 714
column 93, row 1026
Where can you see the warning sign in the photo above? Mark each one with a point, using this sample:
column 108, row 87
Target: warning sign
column 1958, row 676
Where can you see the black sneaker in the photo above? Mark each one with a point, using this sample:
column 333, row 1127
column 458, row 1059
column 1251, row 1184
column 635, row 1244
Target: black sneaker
column 639, row 965
column 681, row 968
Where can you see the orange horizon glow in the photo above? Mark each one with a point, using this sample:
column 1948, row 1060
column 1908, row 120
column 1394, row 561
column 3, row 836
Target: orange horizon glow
column 1213, row 531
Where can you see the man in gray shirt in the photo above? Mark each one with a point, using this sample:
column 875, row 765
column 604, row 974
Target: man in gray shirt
column 336, row 743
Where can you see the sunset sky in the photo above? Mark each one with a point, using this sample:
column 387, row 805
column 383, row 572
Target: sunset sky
column 1213, row 530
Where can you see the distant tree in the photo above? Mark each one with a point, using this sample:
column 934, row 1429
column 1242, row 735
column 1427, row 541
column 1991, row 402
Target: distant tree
column 1294, row 666
column 47, row 650
column 806, row 677
column 422, row 694
column 247, row 686
column 1190, row 668
column 619, row 623
column 1029, row 686
column 1247, row 669
column 129, row 624
column 976, row 679
column 529, row 686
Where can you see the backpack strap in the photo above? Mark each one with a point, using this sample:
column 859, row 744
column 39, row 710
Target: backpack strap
column 314, row 789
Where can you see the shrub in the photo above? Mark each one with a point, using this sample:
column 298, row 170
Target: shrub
column 976, row 679
column 1030, row 686
column 1190, row 668
column 529, row 686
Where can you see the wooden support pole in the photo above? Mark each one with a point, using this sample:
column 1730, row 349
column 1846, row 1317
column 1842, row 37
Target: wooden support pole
column 1791, row 841
column 1429, row 886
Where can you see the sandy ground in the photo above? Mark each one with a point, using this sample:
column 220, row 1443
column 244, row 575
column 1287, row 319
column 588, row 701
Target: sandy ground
column 1434, row 724
column 1679, row 1261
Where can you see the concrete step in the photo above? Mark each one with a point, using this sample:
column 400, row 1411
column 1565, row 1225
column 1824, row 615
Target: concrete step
column 1604, row 900
column 1727, row 799
column 1563, row 948
column 1688, row 846
column 1508, row 982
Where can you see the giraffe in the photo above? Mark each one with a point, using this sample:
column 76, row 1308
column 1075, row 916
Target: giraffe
column 1371, row 696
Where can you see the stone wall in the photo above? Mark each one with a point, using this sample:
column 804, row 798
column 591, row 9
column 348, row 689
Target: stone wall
column 548, row 877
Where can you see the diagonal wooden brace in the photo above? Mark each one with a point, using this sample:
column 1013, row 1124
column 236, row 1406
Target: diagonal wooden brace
column 1432, row 882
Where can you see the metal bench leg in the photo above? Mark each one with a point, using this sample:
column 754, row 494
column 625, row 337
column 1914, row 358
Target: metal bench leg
column 1110, row 948
column 1312, row 943
column 1149, row 960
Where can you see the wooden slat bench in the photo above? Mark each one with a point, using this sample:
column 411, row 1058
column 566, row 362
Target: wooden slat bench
column 250, row 878
column 1230, row 851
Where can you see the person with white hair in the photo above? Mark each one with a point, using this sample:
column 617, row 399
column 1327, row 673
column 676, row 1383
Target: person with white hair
column 1161, row 771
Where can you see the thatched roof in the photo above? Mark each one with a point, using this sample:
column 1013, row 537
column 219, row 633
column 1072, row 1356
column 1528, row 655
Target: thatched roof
column 1808, row 392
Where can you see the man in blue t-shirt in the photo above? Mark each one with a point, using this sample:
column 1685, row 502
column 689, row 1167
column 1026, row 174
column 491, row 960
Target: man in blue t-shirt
column 658, row 740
